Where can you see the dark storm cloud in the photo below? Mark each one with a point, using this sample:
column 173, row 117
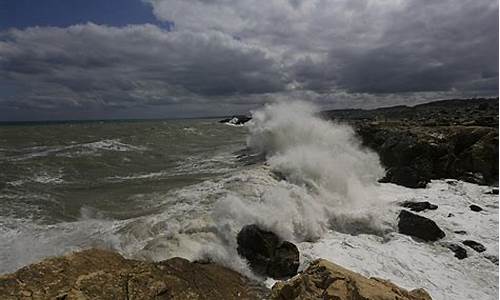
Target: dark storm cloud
column 434, row 47
column 131, row 65
column 225, row 55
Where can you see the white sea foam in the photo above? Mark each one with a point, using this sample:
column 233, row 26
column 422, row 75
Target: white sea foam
column 91, row 148
column 328, row 203
column 413, row 264
column 329, row 176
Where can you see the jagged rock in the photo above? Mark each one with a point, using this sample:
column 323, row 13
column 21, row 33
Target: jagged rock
column 476, row 208
column 418, row 226
column 326, row 280
column 413, row 155
column 494, row 191
column 478, row 247
column 492, row 258
column 236, row 120
column 459, row 251
column 100, row 274
column 419, row 206
column 266, row 253
column 405, row 176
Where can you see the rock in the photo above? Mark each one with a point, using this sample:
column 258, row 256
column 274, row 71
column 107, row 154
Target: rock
column 476, row 208
column 478, row 247
column 413, row 155
column 494, row 191
column 419, row 206
column 285, row 261
column 459, row 251
column 236, row 120
column 450, row 215
column 266, row 253
column 460, row 232
column 419, row 227
column 449, row 139
column 326, row 280
column 405, row 176
column 100, row 274
column 492, row 258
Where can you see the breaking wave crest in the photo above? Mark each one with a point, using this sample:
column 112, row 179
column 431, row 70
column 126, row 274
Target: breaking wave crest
column 317, row 177
column 328, row 178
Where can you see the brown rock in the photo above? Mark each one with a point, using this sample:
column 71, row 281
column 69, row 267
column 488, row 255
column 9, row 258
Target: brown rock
column 100, row 274
column 326, row 280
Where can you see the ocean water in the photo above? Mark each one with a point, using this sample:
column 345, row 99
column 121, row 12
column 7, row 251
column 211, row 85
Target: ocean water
column 157, row 189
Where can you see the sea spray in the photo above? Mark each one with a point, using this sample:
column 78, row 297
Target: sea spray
column 311, row 151
column 327, row 182
column 329, row 178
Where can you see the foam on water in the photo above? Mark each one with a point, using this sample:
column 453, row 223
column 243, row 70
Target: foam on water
column 91, row 148
column 318, row 188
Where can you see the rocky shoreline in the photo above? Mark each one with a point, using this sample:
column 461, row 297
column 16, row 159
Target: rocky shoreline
column 102, row 274
column 454, row 139
column 449, row 139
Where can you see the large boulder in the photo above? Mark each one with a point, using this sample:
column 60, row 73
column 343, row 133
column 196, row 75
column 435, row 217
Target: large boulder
column 478, row 247
column 236, row 120
column 99, row 274
column 326, row 280
column 419, row 206
column 266, row 253
column 459, row 251
column 419, row 227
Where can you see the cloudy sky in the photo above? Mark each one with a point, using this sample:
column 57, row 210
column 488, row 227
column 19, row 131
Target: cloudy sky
column 94, row 59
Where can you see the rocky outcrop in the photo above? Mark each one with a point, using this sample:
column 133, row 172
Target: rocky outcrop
column 99, row 274
column 326, row 280
column 413, row 155
column 419, row 206
column 478, row 247
column 443, row 139
column 459, row 251
column 236, row 120
column 419, row 227
column 266, row 253
column 475, row 208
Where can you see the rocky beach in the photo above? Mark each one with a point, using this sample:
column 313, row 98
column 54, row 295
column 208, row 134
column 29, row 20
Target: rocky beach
column 439, row 180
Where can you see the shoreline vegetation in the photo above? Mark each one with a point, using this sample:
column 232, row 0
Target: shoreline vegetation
column 454, row 139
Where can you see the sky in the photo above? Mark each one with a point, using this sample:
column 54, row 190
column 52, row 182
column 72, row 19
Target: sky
column 105, row 59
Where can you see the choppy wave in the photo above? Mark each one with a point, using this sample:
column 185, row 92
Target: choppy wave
column 91, row 148
column 43, row 177
column 318, row 188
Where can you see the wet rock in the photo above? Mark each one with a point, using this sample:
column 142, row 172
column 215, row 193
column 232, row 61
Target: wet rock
column 99, row 274
column 478, row 247
column 285, row 261
column 405, row 176
column 236, row 120
column 459, row 251
column 419, row 206
column 266, row 253
column 326, row 280
column 414, row 155
column 492, row 258
column 494, row 191
column 476, row 208
column 419, row 227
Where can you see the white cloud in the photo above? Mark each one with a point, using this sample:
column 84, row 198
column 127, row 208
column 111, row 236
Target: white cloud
column 238, row 53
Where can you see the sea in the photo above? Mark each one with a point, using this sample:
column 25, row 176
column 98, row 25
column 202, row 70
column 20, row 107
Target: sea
column 156, row 189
